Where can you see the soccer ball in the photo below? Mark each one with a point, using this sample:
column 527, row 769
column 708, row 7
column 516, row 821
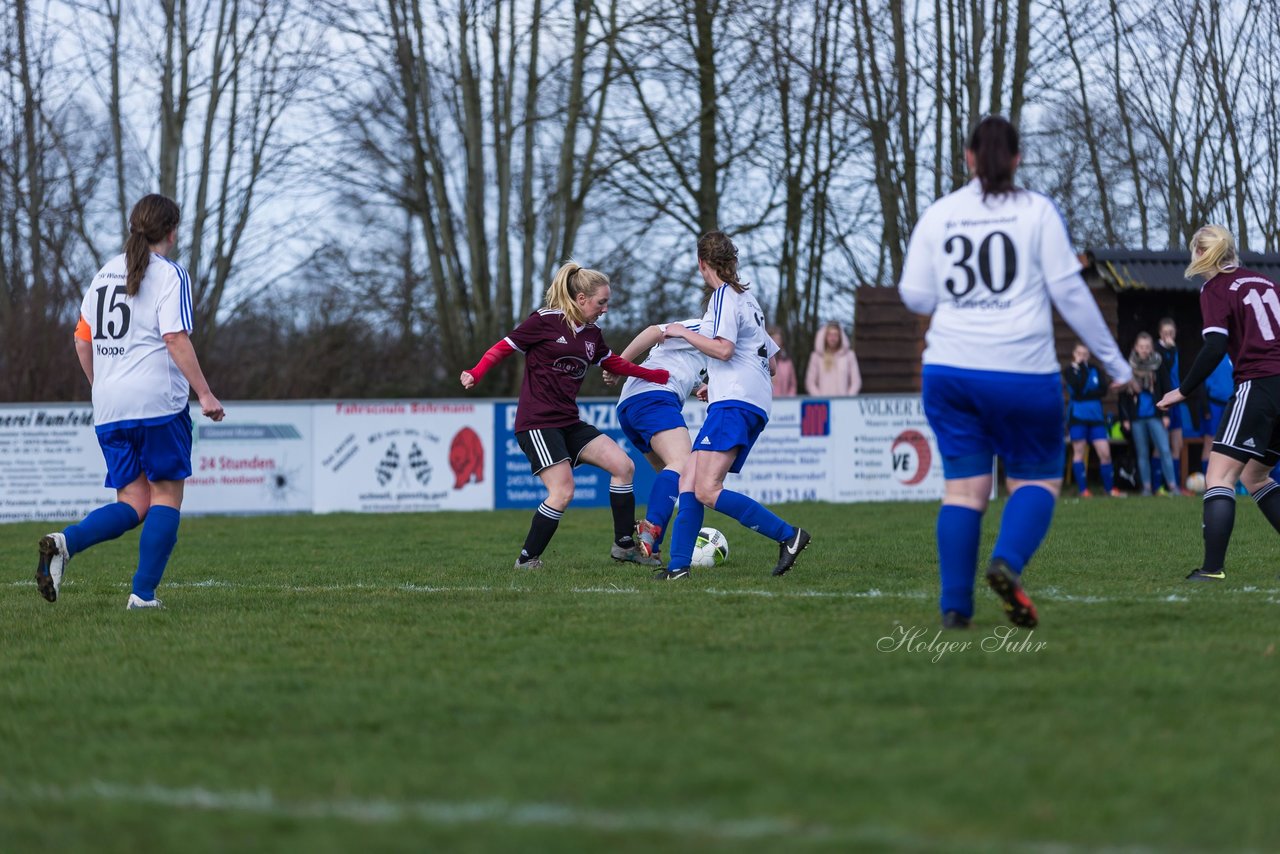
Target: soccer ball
column 710, row 549
column 1195, row 483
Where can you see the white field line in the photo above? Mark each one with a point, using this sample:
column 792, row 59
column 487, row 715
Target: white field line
column 434, row 812
column 1052, row 594
column 497, row 812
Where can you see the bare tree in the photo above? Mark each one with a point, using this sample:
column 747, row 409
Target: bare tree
column 237, row 68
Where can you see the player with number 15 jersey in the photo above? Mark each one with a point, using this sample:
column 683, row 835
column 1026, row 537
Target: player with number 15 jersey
column 133, row 342
column 135, row 381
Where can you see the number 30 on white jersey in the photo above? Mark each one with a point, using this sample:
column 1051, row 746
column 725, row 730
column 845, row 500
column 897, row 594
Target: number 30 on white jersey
column 982, row 268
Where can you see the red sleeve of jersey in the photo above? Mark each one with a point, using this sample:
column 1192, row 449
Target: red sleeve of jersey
column 492, row 356
column 82, row 330
column 617, row 365
column 1215, row 308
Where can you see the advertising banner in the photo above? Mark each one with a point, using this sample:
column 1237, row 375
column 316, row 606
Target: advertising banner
column 403, row 456
column 883, row 450
column 50, row 465
column 411, row 456
column 258, row 460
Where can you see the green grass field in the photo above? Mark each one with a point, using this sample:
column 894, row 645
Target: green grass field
column 341, row 683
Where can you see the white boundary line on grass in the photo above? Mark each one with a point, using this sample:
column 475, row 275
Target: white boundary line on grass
column 1051, row 594
column 435, row 812
column 380, row 811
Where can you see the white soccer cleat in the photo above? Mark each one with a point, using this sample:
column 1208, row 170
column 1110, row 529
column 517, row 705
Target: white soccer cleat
column 53, row 562
column 135, row 602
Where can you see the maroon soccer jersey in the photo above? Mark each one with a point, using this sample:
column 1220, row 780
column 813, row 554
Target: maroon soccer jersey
column 556, row 360
column 1245, row 307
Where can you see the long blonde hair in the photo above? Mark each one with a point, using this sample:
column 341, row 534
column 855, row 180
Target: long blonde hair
column 570, row 280
column 1213, row 251
column 829, row 355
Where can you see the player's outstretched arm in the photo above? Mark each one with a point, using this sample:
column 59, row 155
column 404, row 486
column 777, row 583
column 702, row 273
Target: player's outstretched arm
column 615, row 364
column 1213, row 351
column 716, row 348
column 492, row 356
column 183, row 354
column 648, row 338
column 1070, row 296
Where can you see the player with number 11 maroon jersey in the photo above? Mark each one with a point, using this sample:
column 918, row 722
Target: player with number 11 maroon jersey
column 1241, row 312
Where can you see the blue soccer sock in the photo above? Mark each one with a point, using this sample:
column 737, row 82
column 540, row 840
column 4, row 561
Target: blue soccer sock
column 1108, row 476
column 754, row 515
column 1077, row 469
column 662, row 502
column 106, row 523
column 959, row 529
column 159, row 536
column 1026, row 520
column 1157, row 474
column 688, row 524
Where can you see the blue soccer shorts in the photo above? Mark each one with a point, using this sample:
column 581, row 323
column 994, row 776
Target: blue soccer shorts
column 1091, row 432
column 646, row 415
column 729, row 427
column 160, row 450
column 978, row 415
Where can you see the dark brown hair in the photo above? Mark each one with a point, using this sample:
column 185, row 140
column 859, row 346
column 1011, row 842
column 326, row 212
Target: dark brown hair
column 994, row 143
column 150, row 222
column 718, row 252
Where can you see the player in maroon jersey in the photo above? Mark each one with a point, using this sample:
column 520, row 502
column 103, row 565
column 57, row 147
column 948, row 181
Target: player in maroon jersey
column 560, row 341
column 1241, row 311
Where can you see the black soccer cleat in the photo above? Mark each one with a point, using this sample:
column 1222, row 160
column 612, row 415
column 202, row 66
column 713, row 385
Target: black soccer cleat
column 671, row 574
column 1207, row 575
column 52, row 564
column 789, row 550
column 1017, row 604
column 954, row 620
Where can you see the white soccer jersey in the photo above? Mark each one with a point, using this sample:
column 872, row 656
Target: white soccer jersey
column 744, row 377
column 134, row 379
column 987, row 270
column 681, row 359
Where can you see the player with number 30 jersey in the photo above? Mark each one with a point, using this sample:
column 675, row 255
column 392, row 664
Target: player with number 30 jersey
column 988, row 263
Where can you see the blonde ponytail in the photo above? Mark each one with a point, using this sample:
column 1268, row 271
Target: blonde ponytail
column 1213, row 250
column 569, row 281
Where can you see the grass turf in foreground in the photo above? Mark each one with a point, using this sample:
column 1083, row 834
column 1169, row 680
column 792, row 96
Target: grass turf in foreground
column 336, row 682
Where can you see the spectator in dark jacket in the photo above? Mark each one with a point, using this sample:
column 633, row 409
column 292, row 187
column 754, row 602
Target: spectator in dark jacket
column 1086, row 423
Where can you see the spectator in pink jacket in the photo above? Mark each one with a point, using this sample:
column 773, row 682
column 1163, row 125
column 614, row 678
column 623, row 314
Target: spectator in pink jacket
column 833, row 368
column 784, row 377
